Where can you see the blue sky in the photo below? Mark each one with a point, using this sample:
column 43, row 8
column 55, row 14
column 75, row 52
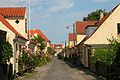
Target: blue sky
column 52, row 16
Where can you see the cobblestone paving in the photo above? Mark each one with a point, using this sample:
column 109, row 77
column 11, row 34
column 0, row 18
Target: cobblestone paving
column 59, row 70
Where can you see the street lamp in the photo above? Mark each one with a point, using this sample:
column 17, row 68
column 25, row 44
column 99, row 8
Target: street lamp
column 73, row 32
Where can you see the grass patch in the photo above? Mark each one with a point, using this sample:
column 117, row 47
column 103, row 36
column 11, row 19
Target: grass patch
column 29, row 74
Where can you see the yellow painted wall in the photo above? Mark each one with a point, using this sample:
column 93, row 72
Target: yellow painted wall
column 20, row 26
column 10, row 37
column 106, row 30
column 71, row 44
column 80, row 38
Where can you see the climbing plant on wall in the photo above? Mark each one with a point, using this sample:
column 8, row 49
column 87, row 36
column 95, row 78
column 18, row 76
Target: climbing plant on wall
column 7, row 52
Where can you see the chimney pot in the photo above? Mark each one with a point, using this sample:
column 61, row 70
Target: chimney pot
column 101, row 15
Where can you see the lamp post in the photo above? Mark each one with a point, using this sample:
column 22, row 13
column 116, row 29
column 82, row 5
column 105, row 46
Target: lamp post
column 73, row 32
column 65, row 48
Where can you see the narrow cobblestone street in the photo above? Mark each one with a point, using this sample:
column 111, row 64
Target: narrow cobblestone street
column 59, row 70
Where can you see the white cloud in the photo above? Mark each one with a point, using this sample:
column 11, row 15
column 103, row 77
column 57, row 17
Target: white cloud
column 59, row 5
column 8, row 3
column 101, row 1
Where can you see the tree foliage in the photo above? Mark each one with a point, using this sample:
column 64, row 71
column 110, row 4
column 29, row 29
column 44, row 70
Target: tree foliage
column 103, row 55
column 28, row 61
column 39, row 40
column 115, row 66
column 7, row 52
column 50, row 51
column 107, row 55
column 95, row 15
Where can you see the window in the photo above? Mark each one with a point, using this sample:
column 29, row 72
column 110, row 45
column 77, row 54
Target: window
column 17, row 21
column 118, row 28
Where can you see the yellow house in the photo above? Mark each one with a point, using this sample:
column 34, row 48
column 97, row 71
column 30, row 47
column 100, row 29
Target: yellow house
column 107, row 27
column 14, row 22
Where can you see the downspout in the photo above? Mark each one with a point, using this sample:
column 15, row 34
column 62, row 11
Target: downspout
column 14, row 56
column 84, row 56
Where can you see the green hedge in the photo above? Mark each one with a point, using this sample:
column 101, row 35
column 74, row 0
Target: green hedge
column 103, row 55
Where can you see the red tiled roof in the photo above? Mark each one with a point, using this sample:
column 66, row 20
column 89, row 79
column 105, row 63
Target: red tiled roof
column 5, row 22
column 38, row 32
column 51, row 45
column 58, row 45
column 13, row 12
column 81, row 25
column 71, row 37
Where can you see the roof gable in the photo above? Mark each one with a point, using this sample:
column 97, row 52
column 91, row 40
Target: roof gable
column 104, row 19
column 6, row 23
column 101, row 26
column 38, row 32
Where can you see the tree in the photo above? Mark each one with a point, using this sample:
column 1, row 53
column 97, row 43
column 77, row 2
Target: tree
column 7, row 52
column 50, row 51
column 95, row 15
column 39, row 40
column 115, row 66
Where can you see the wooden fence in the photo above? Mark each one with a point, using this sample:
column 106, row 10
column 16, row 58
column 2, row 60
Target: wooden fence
column 102, row 69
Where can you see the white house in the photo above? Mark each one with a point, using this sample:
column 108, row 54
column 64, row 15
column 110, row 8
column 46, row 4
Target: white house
column 14, row 22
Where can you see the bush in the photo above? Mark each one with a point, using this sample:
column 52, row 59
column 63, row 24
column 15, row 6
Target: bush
column 27, row 61
column 7, row 52
column 115, row 66
column 107, row 55
column 103, row 55
column 30, row 61
column 44, row 60
column 110, row 56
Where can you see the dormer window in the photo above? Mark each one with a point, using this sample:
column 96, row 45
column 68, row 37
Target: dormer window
column 118, row 28
column 89, row 30
column 17, row 21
